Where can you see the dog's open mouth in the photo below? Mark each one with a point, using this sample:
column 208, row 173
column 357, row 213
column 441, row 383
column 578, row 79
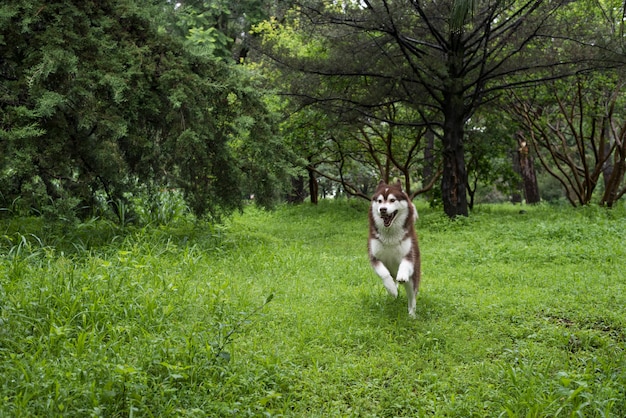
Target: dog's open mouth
column 388, row 218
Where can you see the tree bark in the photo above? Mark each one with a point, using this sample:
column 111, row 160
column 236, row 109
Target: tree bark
column 613, row 179
column 454, row 178
column 527, row 170
column 313, row 187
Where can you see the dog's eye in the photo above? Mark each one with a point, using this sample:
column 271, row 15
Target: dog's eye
column 392, row 200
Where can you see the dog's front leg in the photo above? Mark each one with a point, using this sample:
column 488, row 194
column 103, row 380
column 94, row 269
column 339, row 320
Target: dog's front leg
column 385, row 275
column 405, row 271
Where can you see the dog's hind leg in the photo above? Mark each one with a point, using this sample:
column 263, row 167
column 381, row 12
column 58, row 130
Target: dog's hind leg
column 411, row 293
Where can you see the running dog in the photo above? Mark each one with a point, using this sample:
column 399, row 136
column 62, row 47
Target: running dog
column 392, row 244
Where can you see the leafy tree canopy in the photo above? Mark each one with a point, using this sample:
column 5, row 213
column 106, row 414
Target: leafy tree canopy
column 444, row 59
column 101, row 99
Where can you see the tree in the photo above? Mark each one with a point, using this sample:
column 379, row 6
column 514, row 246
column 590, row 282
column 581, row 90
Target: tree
column 445, row 59
column 98, row 101
column 525, row 166
column 361, row 151
column 219, row 27
column 576, row 130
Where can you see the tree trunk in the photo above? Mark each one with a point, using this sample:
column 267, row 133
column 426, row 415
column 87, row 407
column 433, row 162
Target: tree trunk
column 615, row 178
column 297, row 190
column 454, row 178
column 471, row 191
column 313, row 187
column 610, row 187
column 527, row 170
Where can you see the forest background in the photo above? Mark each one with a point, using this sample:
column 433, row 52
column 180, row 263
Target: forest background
column 111, row 103
column 132, row 133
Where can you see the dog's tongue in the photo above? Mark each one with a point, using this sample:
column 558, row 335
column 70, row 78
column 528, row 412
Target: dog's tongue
column 387, row 219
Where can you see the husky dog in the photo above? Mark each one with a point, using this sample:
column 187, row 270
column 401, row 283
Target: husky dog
column 392, row 242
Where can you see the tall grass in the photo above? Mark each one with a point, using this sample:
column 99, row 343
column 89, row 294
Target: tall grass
column 279, row 314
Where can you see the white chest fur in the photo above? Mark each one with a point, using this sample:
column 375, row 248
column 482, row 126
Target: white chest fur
column 390, row 250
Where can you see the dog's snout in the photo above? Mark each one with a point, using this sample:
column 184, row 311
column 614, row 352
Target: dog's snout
column 383, row 210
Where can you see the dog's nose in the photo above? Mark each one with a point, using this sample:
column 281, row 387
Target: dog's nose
column 383, row 211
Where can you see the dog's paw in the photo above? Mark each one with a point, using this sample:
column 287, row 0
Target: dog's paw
column 393, row 291
column 405, row 271
column 391, row 286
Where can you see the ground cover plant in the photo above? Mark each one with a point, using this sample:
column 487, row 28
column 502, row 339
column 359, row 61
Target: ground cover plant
column 279, row 314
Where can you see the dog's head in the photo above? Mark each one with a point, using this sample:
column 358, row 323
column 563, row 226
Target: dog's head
column 389, row 203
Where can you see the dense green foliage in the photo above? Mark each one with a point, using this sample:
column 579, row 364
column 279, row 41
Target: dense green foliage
column 105, row 103
column 438, row 64
column 519, row 315
column 104, row 99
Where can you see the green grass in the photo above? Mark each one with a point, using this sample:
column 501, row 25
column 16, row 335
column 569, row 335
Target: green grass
column 279, row 314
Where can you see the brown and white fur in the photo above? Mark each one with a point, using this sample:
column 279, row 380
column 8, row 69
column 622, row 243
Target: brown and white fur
column 392, row 244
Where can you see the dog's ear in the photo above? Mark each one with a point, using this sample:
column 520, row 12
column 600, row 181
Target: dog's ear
column 399, row 184
column 380, row 183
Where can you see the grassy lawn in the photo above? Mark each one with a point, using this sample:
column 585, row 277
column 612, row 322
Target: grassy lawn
column 279, row 314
